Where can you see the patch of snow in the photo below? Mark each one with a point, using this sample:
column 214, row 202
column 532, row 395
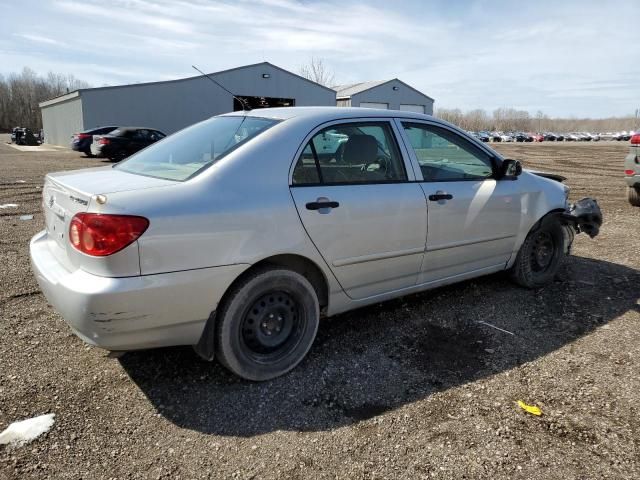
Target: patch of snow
column 9, row 205
column 25, row 431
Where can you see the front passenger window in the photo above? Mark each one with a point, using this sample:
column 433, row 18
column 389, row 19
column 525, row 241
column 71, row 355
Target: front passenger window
column 445, row 156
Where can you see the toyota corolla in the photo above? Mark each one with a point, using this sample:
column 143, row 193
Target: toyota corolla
column 237, row 234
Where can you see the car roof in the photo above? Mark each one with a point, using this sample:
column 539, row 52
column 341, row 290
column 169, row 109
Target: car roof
column 323, row 114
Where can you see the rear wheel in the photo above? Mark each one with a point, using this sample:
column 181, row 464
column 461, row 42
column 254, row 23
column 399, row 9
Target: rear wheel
column 540, row 256
column 267, row 324
column 633, row 194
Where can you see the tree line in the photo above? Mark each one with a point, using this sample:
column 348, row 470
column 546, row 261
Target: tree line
column 20, row 94
column 511, row 119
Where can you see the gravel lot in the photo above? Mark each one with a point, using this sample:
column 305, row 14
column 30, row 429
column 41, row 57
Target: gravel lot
column 413, row 388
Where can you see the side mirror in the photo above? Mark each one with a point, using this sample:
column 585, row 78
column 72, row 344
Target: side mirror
column 510, row 169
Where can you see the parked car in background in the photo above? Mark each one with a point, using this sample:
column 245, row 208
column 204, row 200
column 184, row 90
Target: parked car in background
column 550, row 137
column 124, row 141
column 632, row 171
column 495, row 137
column 484, row 136
column 624, row 136
column 609, row 136
column 537, row 137
column 81, row 142
column 236, row 234
column 572, row 137
column 595, row 137
column 522, row 137
column 506, row 137
column 14, row 133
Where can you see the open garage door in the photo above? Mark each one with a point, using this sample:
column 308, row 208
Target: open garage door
column 384, row 106
column 412, row 108
column 262, row 102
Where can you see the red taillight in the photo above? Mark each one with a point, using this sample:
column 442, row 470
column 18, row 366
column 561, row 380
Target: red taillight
column 635, row 140
column 82, row 135
column 103, row 141
column 629, row 172
column 100, row 235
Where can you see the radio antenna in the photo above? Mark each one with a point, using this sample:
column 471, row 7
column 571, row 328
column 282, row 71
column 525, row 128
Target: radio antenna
column 242, row 101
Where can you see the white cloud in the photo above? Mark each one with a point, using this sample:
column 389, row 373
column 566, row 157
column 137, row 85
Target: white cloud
column 566, row 57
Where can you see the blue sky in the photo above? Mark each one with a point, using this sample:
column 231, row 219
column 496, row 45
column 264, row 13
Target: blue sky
column 564, row 57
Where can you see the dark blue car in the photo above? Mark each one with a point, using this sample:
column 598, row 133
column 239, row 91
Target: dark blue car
column 81, row 142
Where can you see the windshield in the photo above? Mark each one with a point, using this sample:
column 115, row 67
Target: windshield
column 190, row 151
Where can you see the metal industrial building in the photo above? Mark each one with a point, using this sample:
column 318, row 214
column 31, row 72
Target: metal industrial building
column 171, row 105
column 388, row 94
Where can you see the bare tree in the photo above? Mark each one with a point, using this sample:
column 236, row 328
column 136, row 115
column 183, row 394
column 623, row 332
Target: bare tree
column 318, row 72
column 20, row 94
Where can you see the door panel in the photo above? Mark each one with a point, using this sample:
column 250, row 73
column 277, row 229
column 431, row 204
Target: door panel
column 374, row 240
column 476, row 228
column 473, row 218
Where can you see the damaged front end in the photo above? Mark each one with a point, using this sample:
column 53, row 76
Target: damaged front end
column 584, row 216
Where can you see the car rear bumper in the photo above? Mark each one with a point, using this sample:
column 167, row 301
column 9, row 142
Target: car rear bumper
column 633, row 180
column 131, row 313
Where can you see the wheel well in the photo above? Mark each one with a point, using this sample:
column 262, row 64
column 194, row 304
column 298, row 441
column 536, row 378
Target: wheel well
column 304, row 267
column 297, row 263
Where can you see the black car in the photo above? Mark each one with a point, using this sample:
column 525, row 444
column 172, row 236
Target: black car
column 124, row 141
column 550, row 137
column 81, row 142
column 522, row 137
column 483, row 136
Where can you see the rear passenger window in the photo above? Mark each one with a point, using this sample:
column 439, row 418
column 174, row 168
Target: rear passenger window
column 351, row 153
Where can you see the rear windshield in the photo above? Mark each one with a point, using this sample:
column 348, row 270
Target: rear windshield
column 185, row 154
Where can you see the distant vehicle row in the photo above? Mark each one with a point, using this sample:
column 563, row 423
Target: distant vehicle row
column 113, row 142
column 499, row 136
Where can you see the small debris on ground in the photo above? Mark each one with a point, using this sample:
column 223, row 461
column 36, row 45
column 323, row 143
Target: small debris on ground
column 25, row 431
column 532, row 409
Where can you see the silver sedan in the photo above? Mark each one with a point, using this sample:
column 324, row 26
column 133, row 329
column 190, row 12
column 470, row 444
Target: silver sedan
column 237, row 234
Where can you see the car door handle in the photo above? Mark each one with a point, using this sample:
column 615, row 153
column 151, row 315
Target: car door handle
column 440, row 196
column 323, row 204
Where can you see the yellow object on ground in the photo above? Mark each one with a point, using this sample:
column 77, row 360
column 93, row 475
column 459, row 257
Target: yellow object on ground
column 533, row 410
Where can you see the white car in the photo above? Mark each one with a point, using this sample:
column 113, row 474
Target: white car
column 238, row 233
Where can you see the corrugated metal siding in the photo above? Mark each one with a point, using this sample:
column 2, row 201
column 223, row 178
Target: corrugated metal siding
column 171, row 106
column 386, row 94
column 61, row 120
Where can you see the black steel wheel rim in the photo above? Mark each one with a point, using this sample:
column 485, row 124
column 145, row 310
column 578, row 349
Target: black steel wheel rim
column 542, row 252
column 272, row 326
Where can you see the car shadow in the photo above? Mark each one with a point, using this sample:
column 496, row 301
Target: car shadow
column 375, row 359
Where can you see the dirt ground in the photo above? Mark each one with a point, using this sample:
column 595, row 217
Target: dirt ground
column 413, row 388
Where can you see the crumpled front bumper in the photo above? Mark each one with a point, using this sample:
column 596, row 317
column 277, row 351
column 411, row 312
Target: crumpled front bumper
column 584, row 216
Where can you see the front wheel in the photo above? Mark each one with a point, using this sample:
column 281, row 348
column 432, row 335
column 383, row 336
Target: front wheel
column 633, row 195
column 267, row 324
column 540, row 256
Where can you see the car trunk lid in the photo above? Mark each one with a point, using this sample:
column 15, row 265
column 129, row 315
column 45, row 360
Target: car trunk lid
column 68, row 193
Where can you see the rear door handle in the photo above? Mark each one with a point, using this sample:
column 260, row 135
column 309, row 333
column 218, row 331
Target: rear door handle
column 440, row 196
column 322, row 204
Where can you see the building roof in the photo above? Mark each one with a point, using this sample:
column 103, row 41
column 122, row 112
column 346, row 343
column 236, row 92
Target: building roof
column 353, row 88
column 75, row 93
column 347, row 91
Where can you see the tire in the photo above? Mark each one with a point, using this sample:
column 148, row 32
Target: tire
column 540, row 255
column 88, row 153
column 633, row 195
column 267, row 324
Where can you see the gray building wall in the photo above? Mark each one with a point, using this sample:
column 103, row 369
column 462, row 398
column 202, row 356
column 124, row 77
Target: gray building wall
column 386, row 94
column 61, row 120
column 171, row 106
